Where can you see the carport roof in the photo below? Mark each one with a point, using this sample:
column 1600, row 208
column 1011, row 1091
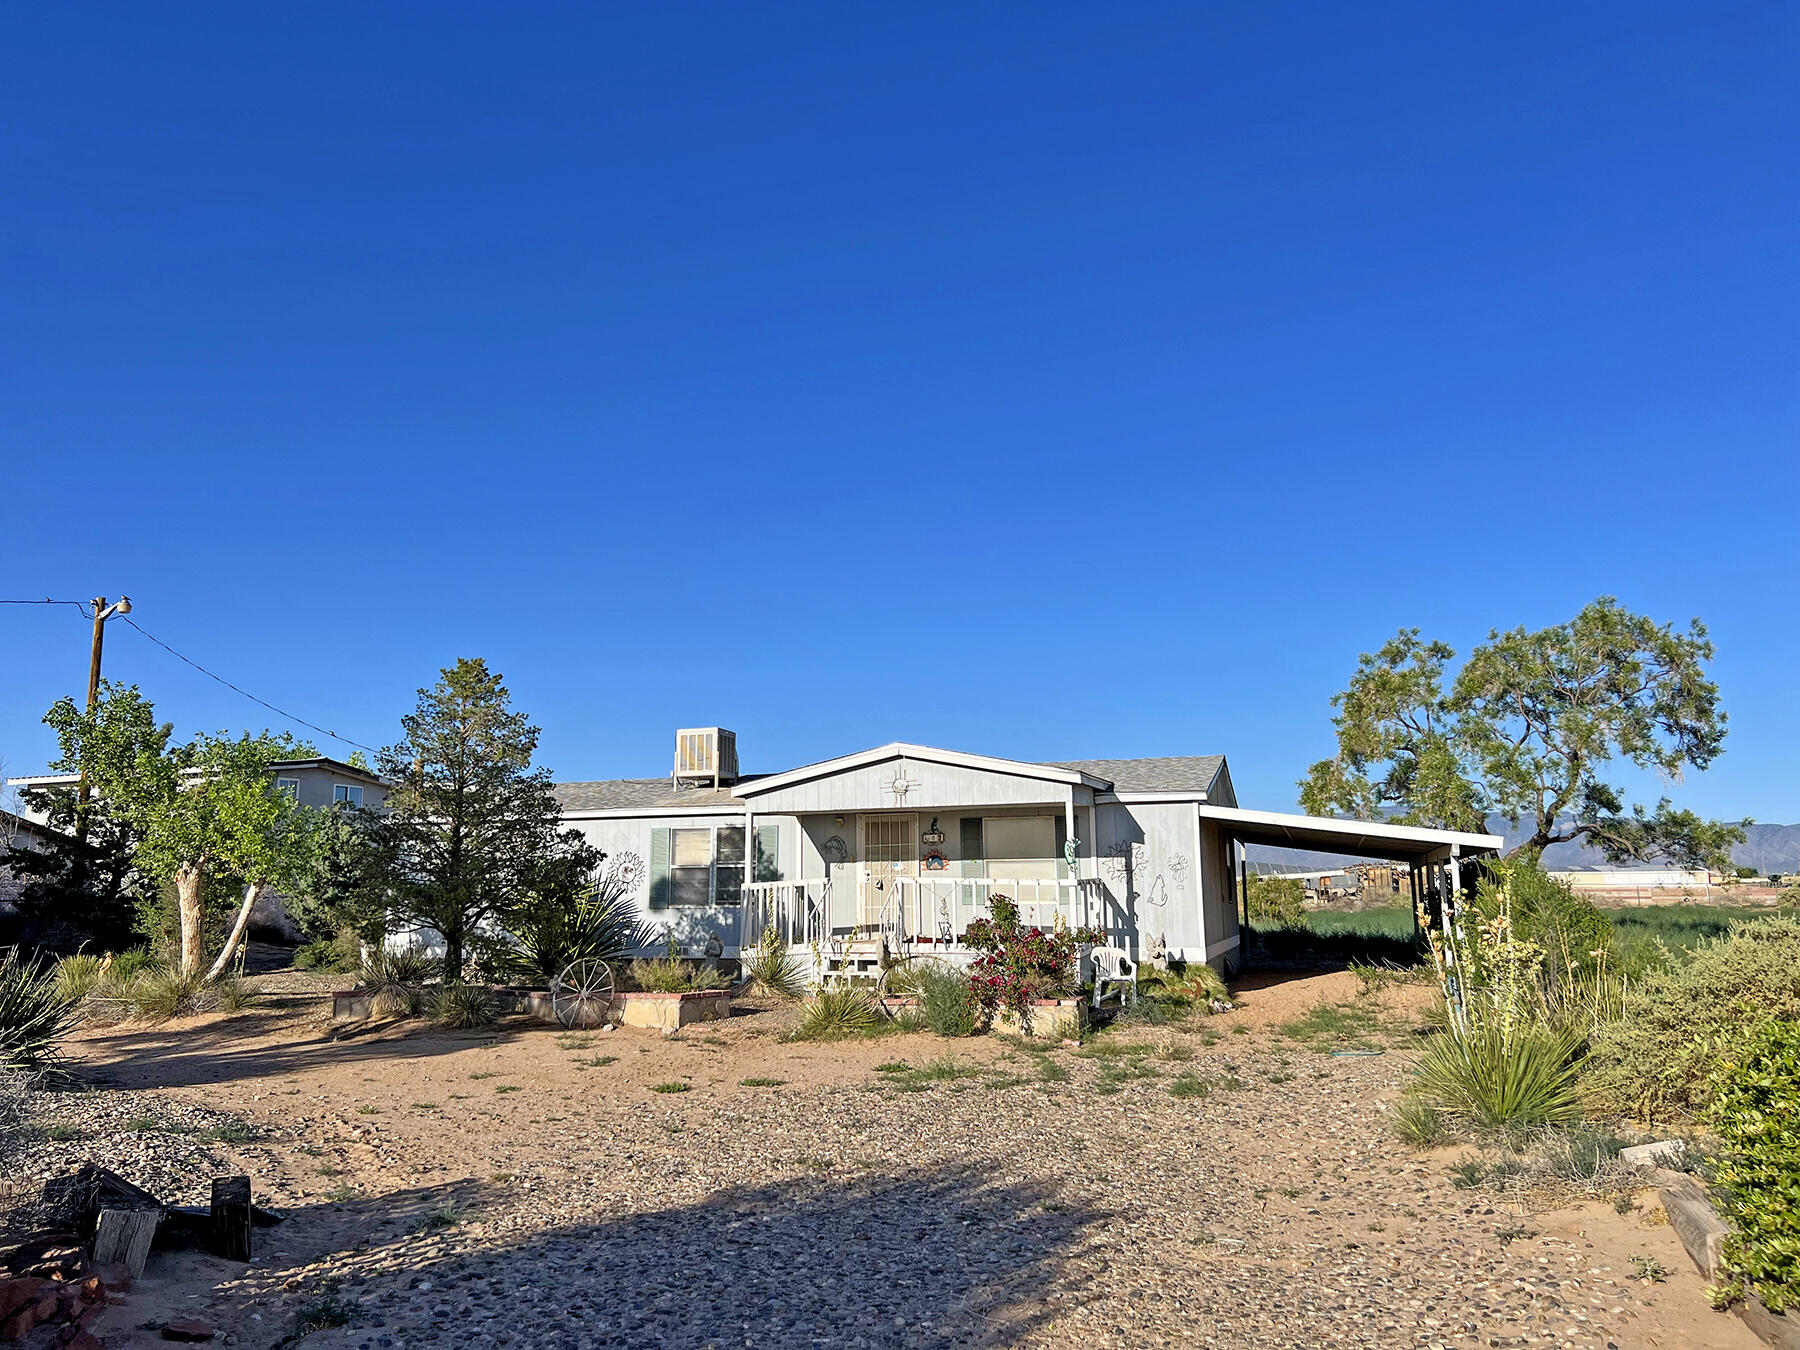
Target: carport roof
column 1354, row 838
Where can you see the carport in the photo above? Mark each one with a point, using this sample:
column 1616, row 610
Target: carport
column 1434, row 857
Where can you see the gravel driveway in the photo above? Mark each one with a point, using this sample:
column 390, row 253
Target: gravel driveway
column 1205, row 1188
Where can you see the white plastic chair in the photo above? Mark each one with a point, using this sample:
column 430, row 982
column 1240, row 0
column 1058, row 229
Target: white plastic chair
column 1114, row 967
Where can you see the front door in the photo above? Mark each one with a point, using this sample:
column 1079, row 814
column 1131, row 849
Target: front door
column 890, row 848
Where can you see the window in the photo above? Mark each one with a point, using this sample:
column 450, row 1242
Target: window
column 288, row 787
column 706, row 866
column 346, row 793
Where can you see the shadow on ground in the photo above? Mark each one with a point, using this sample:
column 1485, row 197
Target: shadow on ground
column 934, row 1259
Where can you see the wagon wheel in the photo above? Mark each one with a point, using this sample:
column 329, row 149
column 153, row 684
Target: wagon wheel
column 582, row 994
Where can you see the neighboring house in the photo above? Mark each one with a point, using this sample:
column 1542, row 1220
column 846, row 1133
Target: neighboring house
column 18, row 834
column 318, row 782
column 910, row 843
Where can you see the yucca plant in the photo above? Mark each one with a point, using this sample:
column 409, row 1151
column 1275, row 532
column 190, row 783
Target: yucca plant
column 230, row 993
column 838, row 1010
column 1520, row 1076
column 393, row 977
column 462, row 1007
column 163, row 992
column 772, row 969
column 33, row 1014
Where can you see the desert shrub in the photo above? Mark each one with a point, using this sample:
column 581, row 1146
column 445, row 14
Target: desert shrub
column 946, row 1002
column 838, row 1010
column 672, row 975
column 337, row 955
column 163, row 992
column 124, row 967
column 1754, row 1106
column 463, row 1006
column 1417, row 1122
column 547, row 930
column 1277, row 902
column 1547, row 912
column 1495, row 1075
column 229, row 993
column 33, row 1013
column 77, row 976
column 772, row 969
column 1653, row 1061
column 1018, row 964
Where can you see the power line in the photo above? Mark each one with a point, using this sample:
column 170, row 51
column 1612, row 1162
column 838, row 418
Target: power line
column 245, row 692
column 86, row 613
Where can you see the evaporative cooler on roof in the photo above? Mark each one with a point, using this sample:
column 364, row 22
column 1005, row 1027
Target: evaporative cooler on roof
column 705, row 757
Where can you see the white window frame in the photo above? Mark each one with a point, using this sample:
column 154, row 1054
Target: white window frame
column 341, row 794
column 731, row 872
column 288, row 787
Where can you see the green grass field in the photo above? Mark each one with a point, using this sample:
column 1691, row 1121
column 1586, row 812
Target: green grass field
column 1386, row 935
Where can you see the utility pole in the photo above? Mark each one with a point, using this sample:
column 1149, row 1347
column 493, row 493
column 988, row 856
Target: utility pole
column 102, row 612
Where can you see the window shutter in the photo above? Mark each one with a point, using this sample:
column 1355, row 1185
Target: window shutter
column 659, row 869
column 768, row 853
column 972, row 861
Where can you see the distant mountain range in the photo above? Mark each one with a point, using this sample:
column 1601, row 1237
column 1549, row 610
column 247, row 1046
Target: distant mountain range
column 1770, row 848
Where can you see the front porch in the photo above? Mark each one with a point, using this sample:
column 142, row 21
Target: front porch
column 854, row 922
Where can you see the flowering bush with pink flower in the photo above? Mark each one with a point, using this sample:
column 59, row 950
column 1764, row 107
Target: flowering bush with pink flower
column 1018, row 964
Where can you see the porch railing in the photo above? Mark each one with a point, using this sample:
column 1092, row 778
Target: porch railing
column 912, row 911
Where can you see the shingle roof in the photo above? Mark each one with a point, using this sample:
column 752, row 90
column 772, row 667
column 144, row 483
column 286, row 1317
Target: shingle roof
column 615, row 793
column 1172, row 773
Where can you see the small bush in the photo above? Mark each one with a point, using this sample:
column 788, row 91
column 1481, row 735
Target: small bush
column 229, row 993
column 1277, row 902
column 338, row 956
column 672, row 975
column 1417, row 1122
column 676, row 1086
column 946, row 1003
column 772, row 968
column 1754, row 1105
column 462, row 1007
column 1653, row 1062
column 77, row 976
column 838, row 1011
column 164, row 992
column 1518, row 1080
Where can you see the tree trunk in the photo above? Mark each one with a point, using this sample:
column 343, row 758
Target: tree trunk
column 252, row 893
column 190, row 901
column 453, row 956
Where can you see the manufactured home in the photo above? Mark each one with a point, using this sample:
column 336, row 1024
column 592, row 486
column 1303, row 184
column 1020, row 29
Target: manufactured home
column 910, row 843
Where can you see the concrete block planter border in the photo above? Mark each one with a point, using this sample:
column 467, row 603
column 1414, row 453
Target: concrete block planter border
column 1046, row 1018
column 631, row 1008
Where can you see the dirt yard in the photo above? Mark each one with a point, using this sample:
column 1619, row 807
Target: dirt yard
column 1228, row 1186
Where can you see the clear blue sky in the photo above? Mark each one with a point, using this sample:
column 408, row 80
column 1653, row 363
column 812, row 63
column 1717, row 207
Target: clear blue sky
column 1048, row 381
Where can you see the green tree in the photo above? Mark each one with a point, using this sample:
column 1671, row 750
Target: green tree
column 207, row 809
column 470, row 828
column 1528, row 729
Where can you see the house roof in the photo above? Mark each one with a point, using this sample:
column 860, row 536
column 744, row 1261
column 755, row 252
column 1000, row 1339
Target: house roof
column 1170, row 773
column 1176, row 773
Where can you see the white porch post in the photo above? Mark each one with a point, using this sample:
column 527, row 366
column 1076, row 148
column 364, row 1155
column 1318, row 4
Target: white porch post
column 1074, row 855
column 749, row 876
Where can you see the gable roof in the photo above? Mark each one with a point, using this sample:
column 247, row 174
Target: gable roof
column 1169, row 773
column 1172, row 773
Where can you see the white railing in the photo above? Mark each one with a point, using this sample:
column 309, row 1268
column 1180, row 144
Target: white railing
column 799, row 911
column 913, row 912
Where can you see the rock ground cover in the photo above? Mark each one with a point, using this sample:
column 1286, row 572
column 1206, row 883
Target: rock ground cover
column 1159, row 1186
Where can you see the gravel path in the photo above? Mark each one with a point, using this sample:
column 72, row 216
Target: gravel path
column 525, row 1190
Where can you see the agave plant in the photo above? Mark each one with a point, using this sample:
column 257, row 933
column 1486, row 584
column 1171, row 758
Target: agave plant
column 33, row 1013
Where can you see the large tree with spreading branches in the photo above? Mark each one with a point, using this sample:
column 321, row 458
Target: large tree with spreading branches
column 1528, row 729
